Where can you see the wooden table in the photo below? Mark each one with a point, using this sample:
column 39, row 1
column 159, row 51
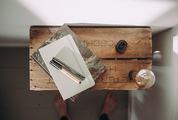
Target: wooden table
column 101, row 40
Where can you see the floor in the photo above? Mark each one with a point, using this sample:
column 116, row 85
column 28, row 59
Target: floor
column 17, row 102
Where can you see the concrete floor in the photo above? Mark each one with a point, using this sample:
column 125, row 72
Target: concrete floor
column 17, row 102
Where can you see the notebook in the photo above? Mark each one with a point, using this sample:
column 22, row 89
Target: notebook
column 67, row 51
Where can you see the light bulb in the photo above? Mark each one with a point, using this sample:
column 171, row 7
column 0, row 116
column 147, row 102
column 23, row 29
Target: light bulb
column 145, row 78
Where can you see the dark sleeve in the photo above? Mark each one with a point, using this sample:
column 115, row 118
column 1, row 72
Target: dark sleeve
column 104, row 117
column 63, row 118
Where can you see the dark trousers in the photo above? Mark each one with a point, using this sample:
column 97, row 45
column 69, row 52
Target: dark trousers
column 102, row 117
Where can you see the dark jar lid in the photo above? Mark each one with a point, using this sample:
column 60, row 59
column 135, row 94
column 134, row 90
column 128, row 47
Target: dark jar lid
column 121, row 46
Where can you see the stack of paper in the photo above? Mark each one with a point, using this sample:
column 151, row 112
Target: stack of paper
column 67, row 48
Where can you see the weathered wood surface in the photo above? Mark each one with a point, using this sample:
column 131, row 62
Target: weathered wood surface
column 101, row 40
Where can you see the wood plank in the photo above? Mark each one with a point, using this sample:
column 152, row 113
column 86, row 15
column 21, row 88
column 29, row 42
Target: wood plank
column 116, row 76
column 102, row 41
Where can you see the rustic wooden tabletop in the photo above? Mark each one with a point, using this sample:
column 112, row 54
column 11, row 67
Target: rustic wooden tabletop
column 102, row 41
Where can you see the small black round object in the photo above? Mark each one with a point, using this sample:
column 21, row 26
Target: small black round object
column 121, row 46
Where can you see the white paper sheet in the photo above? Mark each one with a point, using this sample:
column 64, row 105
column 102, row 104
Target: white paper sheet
column 66, row 49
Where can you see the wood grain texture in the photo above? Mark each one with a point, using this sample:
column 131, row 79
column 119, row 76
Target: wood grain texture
column 101, row 40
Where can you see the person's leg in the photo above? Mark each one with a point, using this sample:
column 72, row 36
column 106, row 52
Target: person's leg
column 108, row 107
column 61, row 107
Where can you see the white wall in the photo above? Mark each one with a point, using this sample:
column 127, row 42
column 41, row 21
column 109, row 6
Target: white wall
column 16, row 16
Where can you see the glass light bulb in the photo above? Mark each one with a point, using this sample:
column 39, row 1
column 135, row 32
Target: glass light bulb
column 145, row 78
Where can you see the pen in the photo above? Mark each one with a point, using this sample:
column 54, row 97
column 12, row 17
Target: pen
column 68, row 71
